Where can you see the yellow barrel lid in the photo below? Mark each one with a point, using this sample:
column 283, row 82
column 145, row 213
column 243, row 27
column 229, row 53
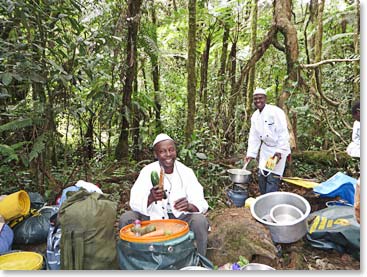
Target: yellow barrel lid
column 22, row 260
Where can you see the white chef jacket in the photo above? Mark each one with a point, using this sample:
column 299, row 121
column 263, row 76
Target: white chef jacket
column 182, row 182
column 269, row 127
column 353, row 148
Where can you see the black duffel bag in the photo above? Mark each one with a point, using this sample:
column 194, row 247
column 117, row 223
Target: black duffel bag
column 34, row 229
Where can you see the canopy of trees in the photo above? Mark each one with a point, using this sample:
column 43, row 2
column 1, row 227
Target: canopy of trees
column 88, row 84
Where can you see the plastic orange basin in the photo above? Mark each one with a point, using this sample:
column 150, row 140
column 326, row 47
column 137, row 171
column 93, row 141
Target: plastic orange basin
column 177, row 228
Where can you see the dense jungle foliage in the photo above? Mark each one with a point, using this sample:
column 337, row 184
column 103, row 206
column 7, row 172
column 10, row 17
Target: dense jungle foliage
column 85, row 85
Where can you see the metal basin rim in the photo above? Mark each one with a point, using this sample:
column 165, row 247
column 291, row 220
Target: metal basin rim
column 301, row 219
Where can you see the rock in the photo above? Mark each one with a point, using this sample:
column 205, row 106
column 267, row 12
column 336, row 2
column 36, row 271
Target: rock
column 234, row 233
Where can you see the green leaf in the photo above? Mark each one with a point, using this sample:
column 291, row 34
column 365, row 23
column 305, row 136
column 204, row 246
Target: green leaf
column 8, row 153
column 16, row 124
column 56, row 66
column 38, row 147
column 35, row 77
column 6, row 78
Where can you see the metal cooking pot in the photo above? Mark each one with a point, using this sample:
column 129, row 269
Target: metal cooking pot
column 282, row 232
column 239, row 176
column 256, row 266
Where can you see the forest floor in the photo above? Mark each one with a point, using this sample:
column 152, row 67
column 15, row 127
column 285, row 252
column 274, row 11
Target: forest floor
column 314, row 258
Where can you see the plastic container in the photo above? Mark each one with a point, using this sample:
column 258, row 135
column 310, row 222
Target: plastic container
column 249, row 201
column 174, row 228
column 22, row 260
column 15, row 205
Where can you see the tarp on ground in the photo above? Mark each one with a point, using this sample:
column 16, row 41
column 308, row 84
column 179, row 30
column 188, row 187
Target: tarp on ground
column 335, row 228
column 339, row 185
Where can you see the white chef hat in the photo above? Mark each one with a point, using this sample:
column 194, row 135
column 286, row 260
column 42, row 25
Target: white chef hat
column 259, row 91
column 161, row 137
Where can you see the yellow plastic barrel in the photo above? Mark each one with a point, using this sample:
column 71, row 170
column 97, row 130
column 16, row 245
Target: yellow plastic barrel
column 23, row 260
column 166, row 229
column 15, row 205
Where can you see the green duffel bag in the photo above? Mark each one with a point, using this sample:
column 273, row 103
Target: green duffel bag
column 87, row 231
column 172, row 254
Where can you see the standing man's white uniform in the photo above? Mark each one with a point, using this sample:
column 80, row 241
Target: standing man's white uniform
column 269, row 135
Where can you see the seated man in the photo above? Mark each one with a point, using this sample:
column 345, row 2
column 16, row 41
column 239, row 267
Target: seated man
column 182, row 197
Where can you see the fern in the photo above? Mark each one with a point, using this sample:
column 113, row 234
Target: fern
column 8, row 152
column 16, row 124
column 38, row 147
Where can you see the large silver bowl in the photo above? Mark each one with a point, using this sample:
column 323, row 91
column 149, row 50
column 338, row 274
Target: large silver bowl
column 239, row 176
column 282, row 232
column 256, row 266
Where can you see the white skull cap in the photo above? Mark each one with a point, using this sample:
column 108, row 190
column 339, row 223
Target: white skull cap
column 259, row 91
column 161, row 137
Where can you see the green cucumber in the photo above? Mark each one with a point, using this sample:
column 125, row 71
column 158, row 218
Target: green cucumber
column 154, row 177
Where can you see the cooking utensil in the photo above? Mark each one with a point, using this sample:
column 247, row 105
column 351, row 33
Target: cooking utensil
column 282, row 233
column 239, row 176
column 245, row 165
column 285, row 213
column 256, row 266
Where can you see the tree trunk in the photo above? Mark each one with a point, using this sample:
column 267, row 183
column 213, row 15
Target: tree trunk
column 251, row 76
column 282, row 16
column 136, row 124
column 127, row 77
column 356, row 86
column 88, row 147
column 191, row 75
column 155, row 76
column 222, row 69
column 204, row 75
column 231, row 117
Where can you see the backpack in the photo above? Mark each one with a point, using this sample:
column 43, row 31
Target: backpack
column 87, row 231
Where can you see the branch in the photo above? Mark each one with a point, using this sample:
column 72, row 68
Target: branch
column 313, row 65
column 331, row 127
column 259, row 52
column 319, row 89
column 277, row 45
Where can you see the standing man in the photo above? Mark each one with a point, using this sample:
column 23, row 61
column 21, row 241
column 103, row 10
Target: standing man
column 269, row 134
column 181, row 198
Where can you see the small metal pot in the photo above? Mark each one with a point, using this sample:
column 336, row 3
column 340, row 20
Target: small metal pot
column 239, row 176
column 285, row 213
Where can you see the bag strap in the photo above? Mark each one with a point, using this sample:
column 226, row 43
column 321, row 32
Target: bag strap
column 78, row 250
column 72, row 250
column 67, row 250
column 205, row 262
